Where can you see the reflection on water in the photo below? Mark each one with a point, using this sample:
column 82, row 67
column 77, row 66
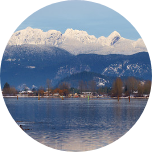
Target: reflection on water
column 75, row 124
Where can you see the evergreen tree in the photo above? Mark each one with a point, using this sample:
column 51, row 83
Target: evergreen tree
column 6, row 86
column 6, row 89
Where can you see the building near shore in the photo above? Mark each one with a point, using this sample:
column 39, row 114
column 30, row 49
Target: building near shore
column 86, row 94
column 56, row 95
column 26, row 93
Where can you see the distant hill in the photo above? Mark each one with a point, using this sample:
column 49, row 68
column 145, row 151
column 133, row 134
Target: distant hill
column 33, row 64
column 101, row 80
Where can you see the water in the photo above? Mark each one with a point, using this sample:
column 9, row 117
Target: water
column 75, row 124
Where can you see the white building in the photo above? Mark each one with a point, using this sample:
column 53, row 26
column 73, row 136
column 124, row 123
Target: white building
column 86, row 94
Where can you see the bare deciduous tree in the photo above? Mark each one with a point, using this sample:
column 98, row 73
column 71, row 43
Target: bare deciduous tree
column 131, row 85
column 140, row 89
column 117, row 87
column 64, row 85
column 7, row 90
column 49, row 85
column 82, row 86
column 92, row 86
column 41, row 91
column 147, row 87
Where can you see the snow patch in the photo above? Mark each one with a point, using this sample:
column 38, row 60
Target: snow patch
column 30, row 67
column 10, row 60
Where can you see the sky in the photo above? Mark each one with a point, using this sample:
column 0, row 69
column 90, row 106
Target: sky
column 95, row 19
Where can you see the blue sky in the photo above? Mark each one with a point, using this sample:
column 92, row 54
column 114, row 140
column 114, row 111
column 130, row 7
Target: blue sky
column 94, row 18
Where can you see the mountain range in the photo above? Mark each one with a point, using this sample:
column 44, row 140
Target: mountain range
column 33, row 56
column 34, row 64
column 78, row 42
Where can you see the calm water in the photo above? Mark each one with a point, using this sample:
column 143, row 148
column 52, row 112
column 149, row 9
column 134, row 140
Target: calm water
column 75, row 124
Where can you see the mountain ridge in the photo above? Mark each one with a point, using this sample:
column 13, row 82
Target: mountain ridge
column 79, row 42
column 100, row 80
column 33, row 65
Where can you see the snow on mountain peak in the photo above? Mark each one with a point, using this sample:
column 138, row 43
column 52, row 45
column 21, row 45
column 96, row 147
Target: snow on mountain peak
column 110, row 40
column 78, row 42
column 139, row 43
column 81, row 36
column 113, row 38
column 36, row 36
column 29, row 28
column 114, row 34
column 71, row 32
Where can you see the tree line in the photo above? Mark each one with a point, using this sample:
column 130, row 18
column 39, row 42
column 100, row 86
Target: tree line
column 130, row 86
column 8, row 90
column 63, row 89
column 119, row 88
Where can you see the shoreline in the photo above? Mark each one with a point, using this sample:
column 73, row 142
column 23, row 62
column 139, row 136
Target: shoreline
column 75, row 97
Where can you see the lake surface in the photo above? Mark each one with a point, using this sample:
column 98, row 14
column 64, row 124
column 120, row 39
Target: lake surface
column 75, row 124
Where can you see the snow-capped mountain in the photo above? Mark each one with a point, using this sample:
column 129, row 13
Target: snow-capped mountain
column 34, row 64
column 33, row 56
column 36, row 36
column 78, row 42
